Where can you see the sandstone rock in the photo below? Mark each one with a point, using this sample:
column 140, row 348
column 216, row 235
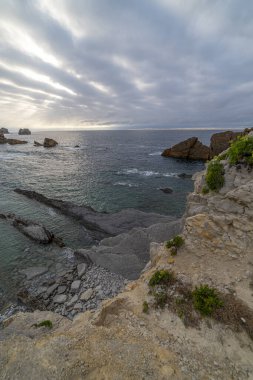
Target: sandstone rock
column 191, row 148
column 49, row 143
column 221, row 141
column 24, row 131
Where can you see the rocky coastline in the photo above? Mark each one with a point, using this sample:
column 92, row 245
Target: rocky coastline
column 145, row 331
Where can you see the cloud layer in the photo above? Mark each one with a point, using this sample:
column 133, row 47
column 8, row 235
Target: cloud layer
column 157, row 63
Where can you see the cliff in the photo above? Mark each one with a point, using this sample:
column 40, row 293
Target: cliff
column 157, row 334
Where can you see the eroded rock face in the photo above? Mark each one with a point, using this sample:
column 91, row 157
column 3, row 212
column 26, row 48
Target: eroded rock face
column 222, row 222
column 221, row 141
column 49, row 143
column 24, row 131
column 191, row 149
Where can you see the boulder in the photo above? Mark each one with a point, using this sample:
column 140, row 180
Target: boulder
column 191, row 149
column 24, row 131
column 49, row 143
column 4, row 130
column 36, row 143
column 221, row 141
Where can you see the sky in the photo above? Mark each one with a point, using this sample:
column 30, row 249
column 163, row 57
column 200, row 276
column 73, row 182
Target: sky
column 76, row 64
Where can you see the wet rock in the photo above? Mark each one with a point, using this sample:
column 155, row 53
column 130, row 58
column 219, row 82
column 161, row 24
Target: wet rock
column 32, row 272
column 24, row 131
column 16, row 141
column 184, row 175
column 49, row 143
column 36, row 143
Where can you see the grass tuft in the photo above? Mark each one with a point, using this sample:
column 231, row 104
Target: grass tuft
column 206, row 300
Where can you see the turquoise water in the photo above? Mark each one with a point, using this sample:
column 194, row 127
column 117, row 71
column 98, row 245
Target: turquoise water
column 110, row 170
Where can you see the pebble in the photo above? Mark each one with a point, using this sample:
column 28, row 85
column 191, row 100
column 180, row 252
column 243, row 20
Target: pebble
column 85, row 296
column 51, row 289
column 81, row 269
column 60, row 298
column 61, row 289
column 75, row 285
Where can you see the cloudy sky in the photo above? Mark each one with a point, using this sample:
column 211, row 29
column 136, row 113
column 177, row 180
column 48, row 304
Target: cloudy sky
column 146, row 63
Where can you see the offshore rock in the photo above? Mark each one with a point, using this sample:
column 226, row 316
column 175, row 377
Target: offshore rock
column 191, row 149
column 24, row 131
column 49, row 143
column 4, row 130
column 36, row 143
column 221, row 141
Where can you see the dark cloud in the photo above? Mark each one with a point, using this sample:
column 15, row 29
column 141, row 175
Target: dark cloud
column 163, row 63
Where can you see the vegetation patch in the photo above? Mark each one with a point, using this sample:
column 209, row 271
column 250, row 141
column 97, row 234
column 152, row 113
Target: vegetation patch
column 202, row 302
column 177, row 242
column 145, row 307
column 47, row 323
column 215, row 175
column 205, row 190
column 206, row 299
column 161, row 277
column 241, row 150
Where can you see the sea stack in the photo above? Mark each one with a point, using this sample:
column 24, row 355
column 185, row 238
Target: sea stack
column 24, row 131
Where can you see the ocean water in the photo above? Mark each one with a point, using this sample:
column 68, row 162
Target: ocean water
column 109, row 171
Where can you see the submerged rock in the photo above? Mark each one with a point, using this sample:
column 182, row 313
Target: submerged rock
column 167, row 190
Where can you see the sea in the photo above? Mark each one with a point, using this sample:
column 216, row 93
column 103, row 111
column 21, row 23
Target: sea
column 109, row 170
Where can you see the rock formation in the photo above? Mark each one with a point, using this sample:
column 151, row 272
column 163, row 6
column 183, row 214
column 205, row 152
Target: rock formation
column 221, row 141
column 49, row 143
column 4, row 140
column 191, row 149
column 36, row 143
column 24, row 131
column 4, row 130
column 33, row 230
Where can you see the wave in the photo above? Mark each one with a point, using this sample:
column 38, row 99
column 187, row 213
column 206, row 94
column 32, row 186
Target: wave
column 146, row 173
column 155, row 154
column 128, row 184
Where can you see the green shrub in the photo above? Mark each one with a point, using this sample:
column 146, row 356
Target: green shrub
column 47, row 323
column 145, row 307
column 206, row 299
column 205, row 190
column 177, row 241
column 161, row 277
column 160, row 299
column 215, row 175
column 222, row 156
column 241, row 149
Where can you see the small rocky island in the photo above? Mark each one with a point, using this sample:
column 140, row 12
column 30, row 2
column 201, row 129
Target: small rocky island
column 24, row 131
column 193, row 149
column 4, row 130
